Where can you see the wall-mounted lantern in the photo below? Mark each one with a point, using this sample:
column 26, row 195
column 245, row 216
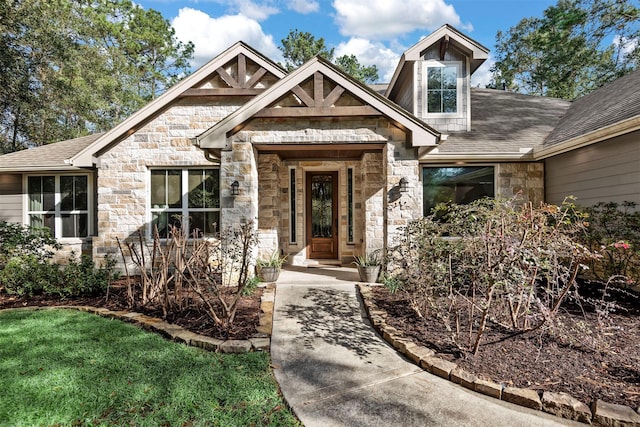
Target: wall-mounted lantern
column 404, row 185
column 235, row 188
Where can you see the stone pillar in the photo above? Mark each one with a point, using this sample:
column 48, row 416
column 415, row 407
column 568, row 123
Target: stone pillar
column 270, row 204
column 402, row 206
column 373, row 201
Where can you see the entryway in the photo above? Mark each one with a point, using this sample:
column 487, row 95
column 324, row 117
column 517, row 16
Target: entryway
column 322, row 214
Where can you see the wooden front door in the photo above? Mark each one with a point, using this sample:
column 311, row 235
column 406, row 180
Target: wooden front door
column 322, row 215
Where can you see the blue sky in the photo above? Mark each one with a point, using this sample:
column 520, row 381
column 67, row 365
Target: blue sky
column 376, row 31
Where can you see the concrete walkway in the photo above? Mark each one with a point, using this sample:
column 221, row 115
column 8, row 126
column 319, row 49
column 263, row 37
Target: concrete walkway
column 334, row 370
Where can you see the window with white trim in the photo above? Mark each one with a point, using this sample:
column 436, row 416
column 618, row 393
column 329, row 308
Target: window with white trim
column 185, row 196
column 443, row 87
column 59, row 203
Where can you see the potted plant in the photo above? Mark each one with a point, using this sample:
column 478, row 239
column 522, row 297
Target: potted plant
column 368, row 267
column 269, row 269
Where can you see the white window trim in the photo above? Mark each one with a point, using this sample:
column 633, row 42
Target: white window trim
column 459, row 87
column 57, row 232
column 184, row 200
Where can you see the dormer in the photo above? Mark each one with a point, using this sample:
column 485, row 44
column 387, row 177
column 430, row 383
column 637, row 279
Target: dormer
column 433, row 79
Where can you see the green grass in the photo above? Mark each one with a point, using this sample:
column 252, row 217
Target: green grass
column 62, row 367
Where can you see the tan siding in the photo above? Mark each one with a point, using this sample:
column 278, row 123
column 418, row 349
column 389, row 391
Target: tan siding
column 11, row 198
column 403, row 91
column 603, row 172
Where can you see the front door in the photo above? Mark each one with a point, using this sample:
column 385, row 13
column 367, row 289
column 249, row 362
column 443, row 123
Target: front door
column 322, row 215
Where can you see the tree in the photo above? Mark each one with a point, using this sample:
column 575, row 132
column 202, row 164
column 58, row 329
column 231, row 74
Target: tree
column 299, row 47
column 574, row 48
column 74, row 67
column 350, row 65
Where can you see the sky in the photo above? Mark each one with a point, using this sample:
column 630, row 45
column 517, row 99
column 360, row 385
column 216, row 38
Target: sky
column 376, row 31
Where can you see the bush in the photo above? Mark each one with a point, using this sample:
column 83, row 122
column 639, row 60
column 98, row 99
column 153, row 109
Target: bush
column 28, row 276
column 19, row 240
column 491, row 260
column 614, row 233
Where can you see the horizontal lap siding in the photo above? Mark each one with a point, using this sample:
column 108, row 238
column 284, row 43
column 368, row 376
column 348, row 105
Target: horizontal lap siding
column 603, row 172
column 11, row 198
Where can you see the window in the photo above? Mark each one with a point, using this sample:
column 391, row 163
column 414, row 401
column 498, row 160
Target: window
column 189, row 196
column 349, row 205
column 292, row 205
column 456, row 184
column 442, row 86
column 59, row 203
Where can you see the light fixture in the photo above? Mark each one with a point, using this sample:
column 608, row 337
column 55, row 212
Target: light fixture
column 235, row 188
column 404, row 185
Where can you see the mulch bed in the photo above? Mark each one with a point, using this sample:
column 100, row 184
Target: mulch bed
column 193, row 317
column 537, row 360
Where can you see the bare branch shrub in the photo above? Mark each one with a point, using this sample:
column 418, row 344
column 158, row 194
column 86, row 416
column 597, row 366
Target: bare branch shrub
column 492, row 261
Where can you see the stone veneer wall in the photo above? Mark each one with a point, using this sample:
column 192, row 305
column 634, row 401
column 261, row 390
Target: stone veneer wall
column 526, row 179
column 374, row 181
column 402, row 207
column 123, row 171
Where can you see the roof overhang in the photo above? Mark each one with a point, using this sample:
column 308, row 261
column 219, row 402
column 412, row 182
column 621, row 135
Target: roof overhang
column 31, row 169
column 129, row 126
column 612, row 131
column 217, row 136
column 434, row 156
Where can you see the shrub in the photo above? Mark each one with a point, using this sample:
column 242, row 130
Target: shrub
column 19, row 240
column 491, row 260
column 614, row 233
column 28, row 276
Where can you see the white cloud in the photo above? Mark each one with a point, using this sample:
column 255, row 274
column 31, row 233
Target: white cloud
column 256, row 11
column 382, row 19
column 370, row 53
column 213, row 35
column 482, row 75
column 625, row 45
column 304, row 6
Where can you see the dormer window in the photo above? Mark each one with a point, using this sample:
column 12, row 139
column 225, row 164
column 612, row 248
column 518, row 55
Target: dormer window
column 443, row 86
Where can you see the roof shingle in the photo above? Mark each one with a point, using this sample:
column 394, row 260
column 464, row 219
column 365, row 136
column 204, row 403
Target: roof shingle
column 50, row 156
column 611, row 104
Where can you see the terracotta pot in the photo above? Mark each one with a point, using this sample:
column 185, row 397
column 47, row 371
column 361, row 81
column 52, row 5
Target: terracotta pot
column 269, row 274
column 369, row 274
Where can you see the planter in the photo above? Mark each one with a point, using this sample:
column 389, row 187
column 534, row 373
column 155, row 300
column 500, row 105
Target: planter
column 369, row 274
column 269, row 274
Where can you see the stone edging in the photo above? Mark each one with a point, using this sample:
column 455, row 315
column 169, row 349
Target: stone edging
column 560, row 404
column 259, row 342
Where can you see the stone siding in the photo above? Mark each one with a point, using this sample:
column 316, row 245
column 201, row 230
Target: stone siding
column 526, row 179
column 123, row 171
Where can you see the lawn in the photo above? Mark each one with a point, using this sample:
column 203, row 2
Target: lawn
column 63, row 367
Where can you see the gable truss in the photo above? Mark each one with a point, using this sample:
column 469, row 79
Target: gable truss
column 314, row 103
column 237, row 78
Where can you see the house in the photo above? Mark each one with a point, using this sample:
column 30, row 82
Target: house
column 328, row 167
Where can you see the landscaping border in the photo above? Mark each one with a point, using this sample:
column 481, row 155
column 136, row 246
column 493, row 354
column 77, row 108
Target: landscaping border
column 261, row 341
column 560, row 404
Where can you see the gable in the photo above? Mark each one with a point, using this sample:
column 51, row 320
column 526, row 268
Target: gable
column 445, row 39
column 240, row 71
column 317, row 89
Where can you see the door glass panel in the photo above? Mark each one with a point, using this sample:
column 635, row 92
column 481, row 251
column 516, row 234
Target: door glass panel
column 321, row 206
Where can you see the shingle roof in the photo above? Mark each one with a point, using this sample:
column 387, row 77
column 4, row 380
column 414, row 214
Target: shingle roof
column 51, row 156
column 505, row 122
column 611, row 104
